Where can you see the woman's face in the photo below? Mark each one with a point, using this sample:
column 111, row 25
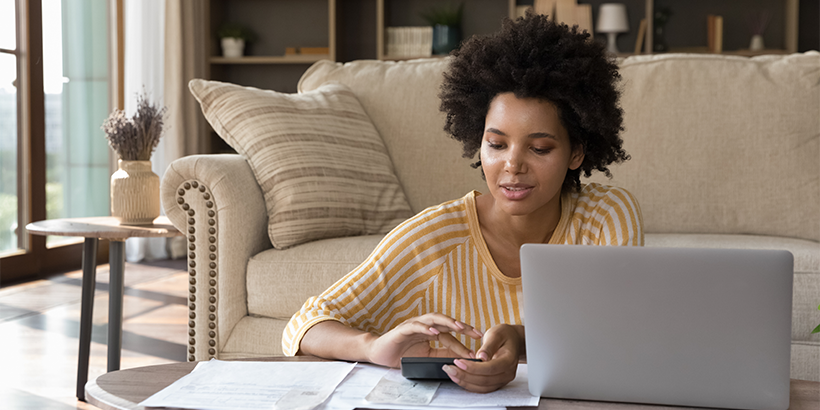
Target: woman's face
column 525, row 154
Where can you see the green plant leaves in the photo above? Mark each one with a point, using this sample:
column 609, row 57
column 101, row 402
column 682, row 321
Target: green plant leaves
column 817, row 329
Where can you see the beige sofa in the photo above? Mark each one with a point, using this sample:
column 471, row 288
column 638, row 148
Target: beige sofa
column 725, row 153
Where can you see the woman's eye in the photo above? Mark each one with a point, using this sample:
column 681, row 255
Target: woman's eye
column 541, row 151
column 493, row 146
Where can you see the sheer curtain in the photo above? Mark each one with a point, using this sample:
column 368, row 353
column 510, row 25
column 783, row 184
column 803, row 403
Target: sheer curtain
column 144, row 62
column 165, row 47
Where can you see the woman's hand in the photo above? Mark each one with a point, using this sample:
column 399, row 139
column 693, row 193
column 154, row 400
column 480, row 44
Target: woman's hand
column 412, row 339
column 500, row 351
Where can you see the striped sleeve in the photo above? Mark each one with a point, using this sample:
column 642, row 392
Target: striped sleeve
column 608, row 216
column 623, row 222
column 391, row 283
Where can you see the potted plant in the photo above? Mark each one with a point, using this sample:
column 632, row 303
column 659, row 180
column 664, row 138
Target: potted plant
column 233, row 38
column 134, row 187
column 446, row 22
column 816, row 329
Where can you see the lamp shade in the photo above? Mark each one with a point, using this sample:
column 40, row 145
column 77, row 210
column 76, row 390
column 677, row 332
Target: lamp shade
column 612, row 18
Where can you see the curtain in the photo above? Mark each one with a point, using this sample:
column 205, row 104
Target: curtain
column 165, row 47
column 144, row 42
column 185, row 58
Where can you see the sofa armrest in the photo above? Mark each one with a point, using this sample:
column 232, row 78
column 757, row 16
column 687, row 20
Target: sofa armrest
column 217, row 203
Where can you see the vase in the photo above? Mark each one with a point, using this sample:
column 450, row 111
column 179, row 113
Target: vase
column 134, row 193
column 757, row 43
column 445, row 38
column 232, row 47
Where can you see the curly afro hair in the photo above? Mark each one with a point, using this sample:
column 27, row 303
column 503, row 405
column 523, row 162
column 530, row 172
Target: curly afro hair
column 534, row 57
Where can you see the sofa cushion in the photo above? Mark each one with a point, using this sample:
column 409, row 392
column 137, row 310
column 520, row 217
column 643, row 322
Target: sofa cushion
column 402, row 100
column 723, row 144
column 280, row 281
column 322, row 166
column 806, row 294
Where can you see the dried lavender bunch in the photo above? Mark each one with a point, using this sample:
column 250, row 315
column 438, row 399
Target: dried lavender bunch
column 135, row 139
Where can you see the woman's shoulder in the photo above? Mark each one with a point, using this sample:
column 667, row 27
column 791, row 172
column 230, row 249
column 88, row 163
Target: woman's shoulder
column 606, row 215
column 606, row 198
column 458, row 205
column 449, row 212
column 596, row 192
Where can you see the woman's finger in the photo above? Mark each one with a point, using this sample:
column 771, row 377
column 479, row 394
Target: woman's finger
column 418, row 330
column 481, row 383
column 500, row 341
column 455, row 346
column 444, row 323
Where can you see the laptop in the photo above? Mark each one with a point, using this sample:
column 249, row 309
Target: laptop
column 671, row 326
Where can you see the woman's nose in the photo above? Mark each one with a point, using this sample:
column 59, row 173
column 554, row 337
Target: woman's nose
column 514, row 163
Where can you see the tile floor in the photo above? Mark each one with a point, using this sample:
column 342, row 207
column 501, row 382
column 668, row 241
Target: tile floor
column 39, row 331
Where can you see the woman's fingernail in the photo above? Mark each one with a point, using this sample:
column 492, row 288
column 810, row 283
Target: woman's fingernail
column 472, row 355
column 478, row 332
column 483, row 356
column 460, row 364
column 434, row 331
column 450, row 372
column 459, row 325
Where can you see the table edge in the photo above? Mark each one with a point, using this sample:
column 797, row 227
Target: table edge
column 101, row 398
column 104, row 400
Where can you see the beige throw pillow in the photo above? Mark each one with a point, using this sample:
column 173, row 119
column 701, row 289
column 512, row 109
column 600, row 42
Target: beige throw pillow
column 322, row 165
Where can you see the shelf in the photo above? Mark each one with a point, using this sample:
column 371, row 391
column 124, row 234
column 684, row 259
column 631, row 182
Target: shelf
column 382, row 22
column 404, row 58
column 297, row 59
column 743, row 52
column 791, row 16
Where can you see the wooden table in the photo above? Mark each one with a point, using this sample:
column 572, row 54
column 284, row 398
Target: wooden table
column 93, row 229
column 122, row 390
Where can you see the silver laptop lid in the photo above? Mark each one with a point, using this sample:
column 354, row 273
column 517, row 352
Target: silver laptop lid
column 693, row 327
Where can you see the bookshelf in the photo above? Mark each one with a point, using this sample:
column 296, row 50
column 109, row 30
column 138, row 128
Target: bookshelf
column 480, row 17
column 784, row 13
column 357, row 28
column 278, row 25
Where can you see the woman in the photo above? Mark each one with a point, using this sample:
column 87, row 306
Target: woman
column 538, row 103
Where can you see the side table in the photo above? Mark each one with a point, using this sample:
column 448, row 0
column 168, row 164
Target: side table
column 93, row 229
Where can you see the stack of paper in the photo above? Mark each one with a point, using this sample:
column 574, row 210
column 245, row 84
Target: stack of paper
column 218, row 385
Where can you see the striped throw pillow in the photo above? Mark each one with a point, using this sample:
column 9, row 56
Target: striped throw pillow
column 322, row 165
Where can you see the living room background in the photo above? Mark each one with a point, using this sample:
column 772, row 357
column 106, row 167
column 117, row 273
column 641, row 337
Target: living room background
column 66, row 161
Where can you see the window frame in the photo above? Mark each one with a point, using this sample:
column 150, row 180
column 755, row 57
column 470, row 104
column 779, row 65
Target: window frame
column 33, row 258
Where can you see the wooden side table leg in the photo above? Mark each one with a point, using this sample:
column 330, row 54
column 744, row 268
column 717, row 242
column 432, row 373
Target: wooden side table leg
column 86, row 312
column 116, row 261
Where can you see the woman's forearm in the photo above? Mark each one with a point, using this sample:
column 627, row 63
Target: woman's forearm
column 333, row 340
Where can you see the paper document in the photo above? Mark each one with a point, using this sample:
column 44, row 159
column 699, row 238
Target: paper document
column 218, row 385
column 393, row 388
column 360, row 382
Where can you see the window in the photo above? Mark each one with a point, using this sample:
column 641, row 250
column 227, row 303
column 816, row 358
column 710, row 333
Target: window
column 54, row 95
column 8, row 127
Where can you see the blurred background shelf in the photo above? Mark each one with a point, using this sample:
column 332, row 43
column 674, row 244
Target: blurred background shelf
column 355, row 30
column 297, row 59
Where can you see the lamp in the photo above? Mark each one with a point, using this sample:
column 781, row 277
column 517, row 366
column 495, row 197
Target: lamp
column 612, row 20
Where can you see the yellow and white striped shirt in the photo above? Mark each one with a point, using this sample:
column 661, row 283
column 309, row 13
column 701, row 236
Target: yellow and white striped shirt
column 437, row 261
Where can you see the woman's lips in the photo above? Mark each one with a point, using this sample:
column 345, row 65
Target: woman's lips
column 516, row 192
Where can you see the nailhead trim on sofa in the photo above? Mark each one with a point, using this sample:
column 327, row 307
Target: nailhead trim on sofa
column 210, row 285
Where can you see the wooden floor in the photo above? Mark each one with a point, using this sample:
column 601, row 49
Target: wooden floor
column 39, row 331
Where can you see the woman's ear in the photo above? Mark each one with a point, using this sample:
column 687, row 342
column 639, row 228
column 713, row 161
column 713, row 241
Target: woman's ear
column 576, row 158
